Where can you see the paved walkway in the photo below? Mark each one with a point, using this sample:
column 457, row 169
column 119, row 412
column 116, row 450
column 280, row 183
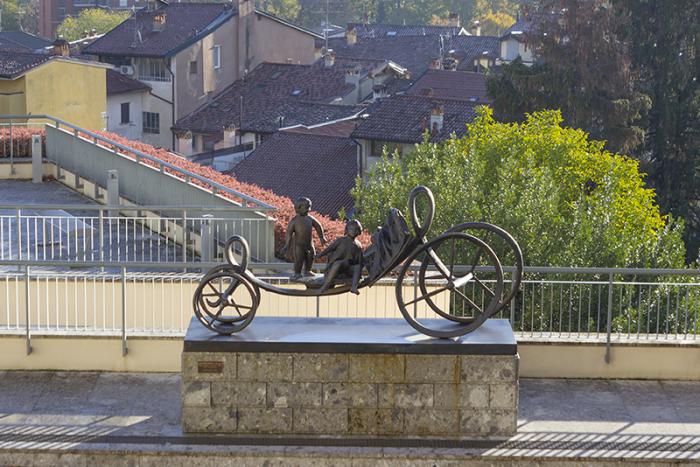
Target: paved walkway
column 68, row 413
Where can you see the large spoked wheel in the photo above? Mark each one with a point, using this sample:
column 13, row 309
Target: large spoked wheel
column 505, row 246
column 448, row 287
column 225, row 301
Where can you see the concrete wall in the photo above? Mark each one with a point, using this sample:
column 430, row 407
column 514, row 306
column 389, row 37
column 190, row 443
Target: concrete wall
column 146, row 185
column 133, row 129
column 271, row 41
column 163, row 354
column 193, row 89
column 12, row 96
column 71, row 91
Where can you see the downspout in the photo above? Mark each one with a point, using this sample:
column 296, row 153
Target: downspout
column 359, row 157
column 172, row 92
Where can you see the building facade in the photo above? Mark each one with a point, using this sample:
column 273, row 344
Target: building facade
column 188, row 52
column 69, row 89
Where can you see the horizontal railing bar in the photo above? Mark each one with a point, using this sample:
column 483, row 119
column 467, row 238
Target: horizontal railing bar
column 281, row 266
column 160, row 162
column 105, row 207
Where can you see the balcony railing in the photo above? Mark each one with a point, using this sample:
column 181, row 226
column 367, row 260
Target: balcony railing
column 603, row 305
column 124, row 234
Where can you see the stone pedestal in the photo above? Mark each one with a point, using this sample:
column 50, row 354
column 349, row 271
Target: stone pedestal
column 350, row 377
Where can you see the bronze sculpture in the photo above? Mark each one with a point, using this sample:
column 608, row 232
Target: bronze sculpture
column 344, row 258
column 459, row 261
column 298, row 235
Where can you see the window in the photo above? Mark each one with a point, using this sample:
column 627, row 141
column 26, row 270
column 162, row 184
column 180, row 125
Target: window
column 125, row 113
column 153, row 70
column 151, row 123
column 193, row 67
column 123, row 3
column 217, row 57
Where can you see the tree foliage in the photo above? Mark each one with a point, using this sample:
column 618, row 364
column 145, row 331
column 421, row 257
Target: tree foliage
column 583, row 68
column 19, row 15
column 312, row 13
column 73, row 28
column 664, row 47
column 564, row 198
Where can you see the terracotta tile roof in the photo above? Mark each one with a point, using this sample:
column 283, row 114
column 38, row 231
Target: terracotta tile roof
column 404, row 119
column 322, row 168
column 118, row 83
column 14, row 64
column 17, row 41
column 299, row 93
column 456, row 85
column 402, row 30
column 185, row 23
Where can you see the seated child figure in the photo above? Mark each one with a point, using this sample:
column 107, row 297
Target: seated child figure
column 344, row 257
column 299, row 237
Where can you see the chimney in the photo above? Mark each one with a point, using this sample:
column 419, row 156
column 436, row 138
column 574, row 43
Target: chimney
column 453, row 20
column 436, row 63
column 437, row 116
column 352, row 76
column 476, row 28
column 159, row 21
column 245, row 7
column 351, row 35
column 60, row 47
column 329, row 59
column 426, row 92
column 379, row 92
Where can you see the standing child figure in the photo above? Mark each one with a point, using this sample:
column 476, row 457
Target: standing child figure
column 299, row 237
column 344, row 257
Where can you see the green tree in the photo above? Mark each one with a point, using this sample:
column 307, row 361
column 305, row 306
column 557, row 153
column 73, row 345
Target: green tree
column 664, row 44
column 101, row 20
column 565, row 199
column 493, row 24
column 583, row 68
column 19, row 15
column 287, row 9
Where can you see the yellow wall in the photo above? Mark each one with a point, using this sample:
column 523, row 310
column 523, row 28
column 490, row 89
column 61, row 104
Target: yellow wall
column 71, row 91
column 12, row 96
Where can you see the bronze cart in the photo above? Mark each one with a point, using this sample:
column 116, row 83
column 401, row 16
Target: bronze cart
column 228, row 296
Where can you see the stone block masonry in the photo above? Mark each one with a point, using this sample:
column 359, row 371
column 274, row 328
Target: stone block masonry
column 274, row 386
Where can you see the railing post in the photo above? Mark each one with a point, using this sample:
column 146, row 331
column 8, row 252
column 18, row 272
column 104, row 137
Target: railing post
column 12, row 152
column 113, row 191
column 37, row 162
column 101, row 239
column 318, row 306
column 26, row 310
column 608, row 344
column 18, row 219
column 125, row 350
column 206, row 239
column 184, row 235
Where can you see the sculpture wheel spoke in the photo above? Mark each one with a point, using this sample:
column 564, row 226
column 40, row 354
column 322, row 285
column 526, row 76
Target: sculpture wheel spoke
column 430, row 294
column 213, row 288
column 486, row 288
column 452, row 257
column 468, row 300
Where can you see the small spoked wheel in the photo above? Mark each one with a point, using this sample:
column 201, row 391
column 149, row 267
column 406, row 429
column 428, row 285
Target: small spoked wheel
column 507, row 249
column 225, row 301
column 459, row 278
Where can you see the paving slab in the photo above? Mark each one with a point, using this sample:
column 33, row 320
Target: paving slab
column 88, row 418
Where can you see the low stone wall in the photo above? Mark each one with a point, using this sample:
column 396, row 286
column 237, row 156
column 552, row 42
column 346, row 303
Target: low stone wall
column 312, row 393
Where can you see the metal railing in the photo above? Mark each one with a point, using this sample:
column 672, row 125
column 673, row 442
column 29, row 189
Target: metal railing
column 601, row 305
column 157, row 234
column 141, row 158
